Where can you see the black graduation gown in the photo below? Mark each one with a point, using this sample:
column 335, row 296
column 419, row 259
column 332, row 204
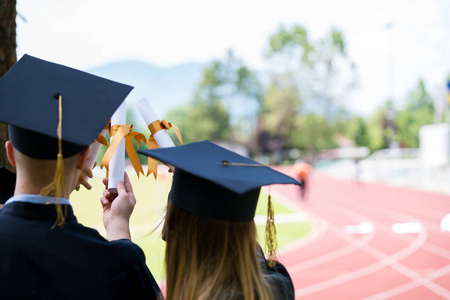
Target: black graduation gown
column 75, row 262
column 278, row 277
column 280, row 280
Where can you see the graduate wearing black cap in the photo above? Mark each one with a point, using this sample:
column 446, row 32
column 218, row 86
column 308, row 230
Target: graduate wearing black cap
column 54, row 113
column 211, row 250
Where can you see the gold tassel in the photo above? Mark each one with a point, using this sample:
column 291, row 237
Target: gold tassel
column 56, row 187
column 271, row 233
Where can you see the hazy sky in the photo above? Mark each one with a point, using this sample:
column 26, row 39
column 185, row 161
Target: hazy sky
column 88, row 33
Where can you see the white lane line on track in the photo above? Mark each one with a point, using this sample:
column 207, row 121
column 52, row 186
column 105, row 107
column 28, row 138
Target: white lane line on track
column 361, row 228
column 365, row 271
column 414, row 284
column 319, row 226
column 393, row 259
column 384, row 260
column 407, row 227
column 437, row 250
column 445, row 223
column 419, row 280
column 330, row 256
column 445, row 253
column 431, row 248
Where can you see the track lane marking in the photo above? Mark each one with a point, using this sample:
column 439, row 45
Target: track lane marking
column 407, row 227
column 319, row 226
column 353, row 246
column 445, row 223
column 361, row 272
column 430, row 247
column 393, row 259
column 330, row 256
column 420, row 280
column 412, row 285
column 361, row 228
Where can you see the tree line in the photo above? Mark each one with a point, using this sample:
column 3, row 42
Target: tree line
column 298, row 102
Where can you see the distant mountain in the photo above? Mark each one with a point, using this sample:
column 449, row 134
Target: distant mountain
column 165, row 88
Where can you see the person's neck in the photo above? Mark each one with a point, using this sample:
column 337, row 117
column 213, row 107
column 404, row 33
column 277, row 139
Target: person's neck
column 29, row 187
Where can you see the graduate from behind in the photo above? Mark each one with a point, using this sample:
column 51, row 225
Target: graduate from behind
column 54, row 113
column 212, row 251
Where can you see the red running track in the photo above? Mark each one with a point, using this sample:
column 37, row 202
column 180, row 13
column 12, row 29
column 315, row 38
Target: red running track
column 377, row 263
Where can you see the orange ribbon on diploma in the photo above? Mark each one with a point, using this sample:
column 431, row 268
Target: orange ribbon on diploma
column 119, row 132
column 158, row 138
column 155, row 127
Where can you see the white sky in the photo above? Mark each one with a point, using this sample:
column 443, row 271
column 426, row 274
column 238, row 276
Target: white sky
column 87, row 33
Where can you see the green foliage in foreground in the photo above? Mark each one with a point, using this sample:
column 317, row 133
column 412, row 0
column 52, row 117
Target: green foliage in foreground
column 150, row 208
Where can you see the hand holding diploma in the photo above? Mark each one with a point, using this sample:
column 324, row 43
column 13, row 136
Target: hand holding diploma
column 117, row 209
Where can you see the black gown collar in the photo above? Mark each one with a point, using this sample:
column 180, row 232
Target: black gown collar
column 36, row 211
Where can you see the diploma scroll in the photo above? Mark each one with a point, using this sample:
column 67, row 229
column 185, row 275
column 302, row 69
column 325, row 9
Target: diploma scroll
column 158, row 133
column 162, row 138
column 117, row 163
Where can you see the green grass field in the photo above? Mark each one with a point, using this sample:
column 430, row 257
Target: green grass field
column 151, row 198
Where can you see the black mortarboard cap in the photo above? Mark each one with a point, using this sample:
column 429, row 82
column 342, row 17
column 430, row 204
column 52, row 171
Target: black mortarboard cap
column 8, row 183
column 29, row 95
column 214, row 182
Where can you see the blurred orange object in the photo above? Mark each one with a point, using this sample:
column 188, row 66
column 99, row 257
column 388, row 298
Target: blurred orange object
column 302, row 169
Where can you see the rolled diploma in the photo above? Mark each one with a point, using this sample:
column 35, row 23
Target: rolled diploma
column 162, row 138
column 117, row 163
column 94, row 148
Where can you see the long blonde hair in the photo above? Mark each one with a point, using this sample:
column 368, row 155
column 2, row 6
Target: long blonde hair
column 209, row 259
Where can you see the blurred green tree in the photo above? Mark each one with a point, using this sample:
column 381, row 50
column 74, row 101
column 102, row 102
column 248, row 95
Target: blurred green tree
column 277, row 118
column 208, row 115
column 419, row 111
column 309, row 79
column 201, row 119
column 322, row 68
column 313, row 133
column 381, row 127
column 376, row 131
column 223, row 79
column 358, row 132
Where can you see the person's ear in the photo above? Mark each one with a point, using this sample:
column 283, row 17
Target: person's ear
column 10, row 153
column 82, row 158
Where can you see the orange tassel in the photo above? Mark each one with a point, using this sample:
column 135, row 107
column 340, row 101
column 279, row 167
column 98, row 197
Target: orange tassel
column 56, row 187
column 271, row 233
